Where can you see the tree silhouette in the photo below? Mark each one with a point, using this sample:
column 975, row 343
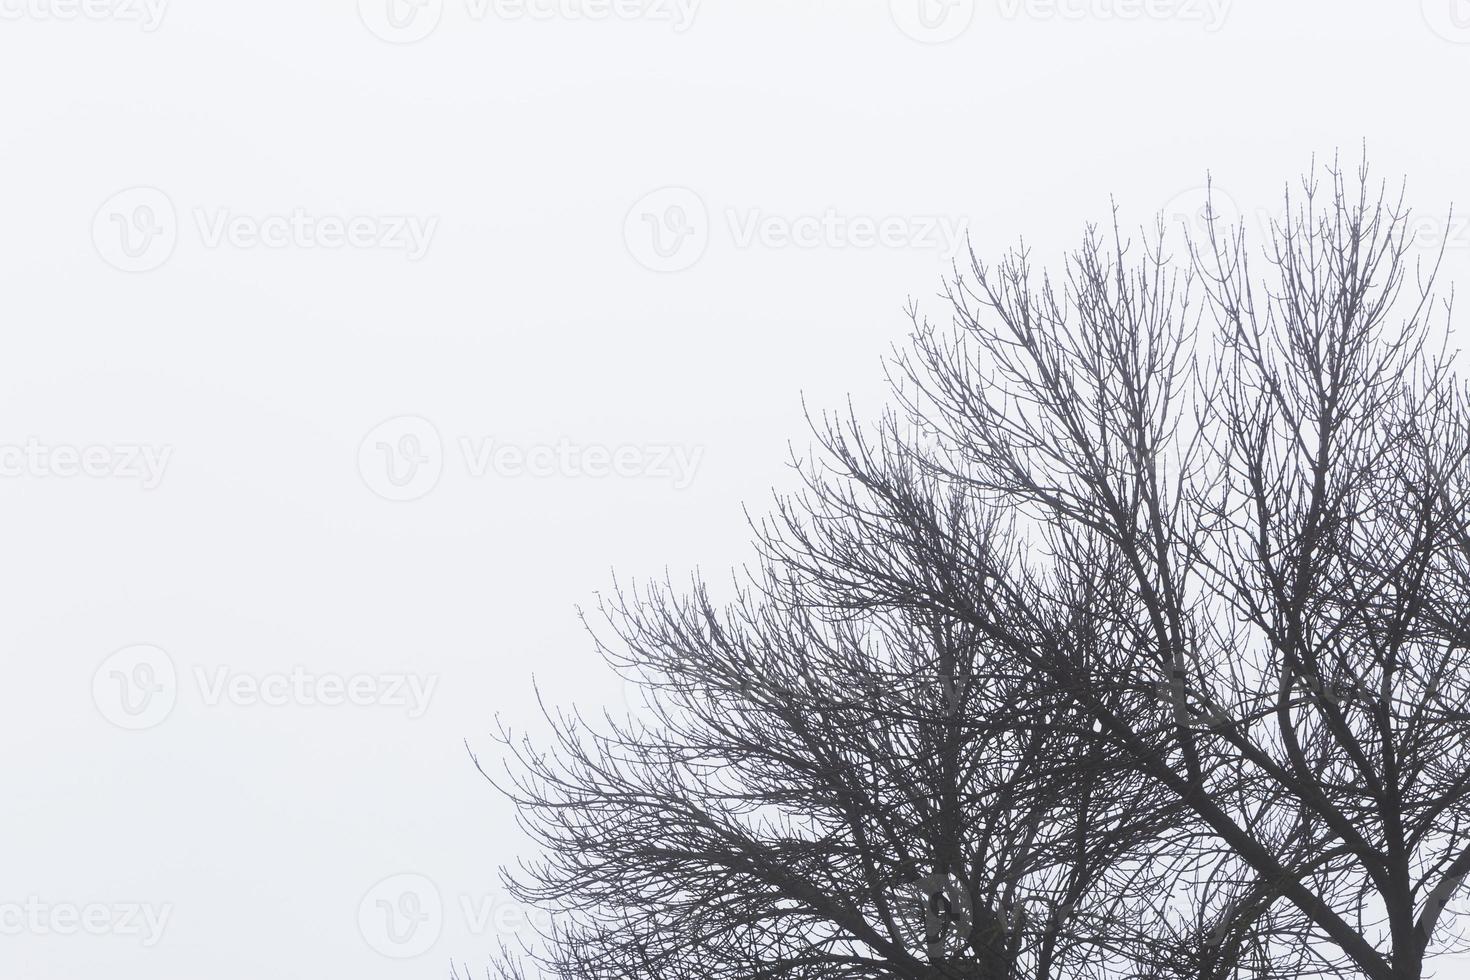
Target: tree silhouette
column 1132, row 641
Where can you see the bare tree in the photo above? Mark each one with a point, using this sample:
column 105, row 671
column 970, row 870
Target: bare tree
column 1133, row 641
column 816, row 795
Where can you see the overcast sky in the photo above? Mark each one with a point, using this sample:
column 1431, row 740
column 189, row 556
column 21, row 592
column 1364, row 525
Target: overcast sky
column 349, row 347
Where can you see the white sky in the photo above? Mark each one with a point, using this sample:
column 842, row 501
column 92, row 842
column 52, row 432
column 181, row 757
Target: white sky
column 521, row 152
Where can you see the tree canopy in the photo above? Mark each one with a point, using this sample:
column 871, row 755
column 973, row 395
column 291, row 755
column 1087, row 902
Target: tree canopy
column 1131, row 641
